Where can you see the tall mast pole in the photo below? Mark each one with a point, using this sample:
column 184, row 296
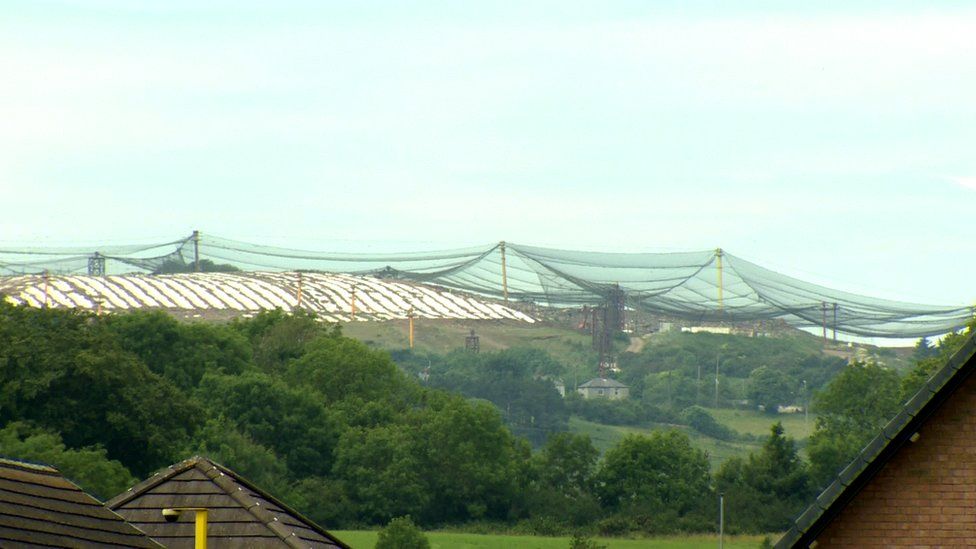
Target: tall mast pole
column 196, row 251
column 824, row 307
column 501, row 248
column 835, row 322
column 718, row 264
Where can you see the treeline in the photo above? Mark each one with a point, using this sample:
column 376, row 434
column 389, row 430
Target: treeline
column 679, row 370
column 340, row 432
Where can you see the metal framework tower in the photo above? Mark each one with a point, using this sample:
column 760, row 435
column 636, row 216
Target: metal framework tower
column 472, row 343
column 606, row 320
column 96, row 265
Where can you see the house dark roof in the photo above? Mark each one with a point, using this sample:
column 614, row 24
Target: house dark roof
column 40, row 507
column 240, row 513
column 853, row 478
column 603, row 383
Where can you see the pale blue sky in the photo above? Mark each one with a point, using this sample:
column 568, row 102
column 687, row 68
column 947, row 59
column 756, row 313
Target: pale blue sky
column 836, row 143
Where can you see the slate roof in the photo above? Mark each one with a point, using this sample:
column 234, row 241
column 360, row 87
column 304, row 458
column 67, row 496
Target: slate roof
column 39, row 507
column 853, row 478
column 240, row 513
column 603, row 383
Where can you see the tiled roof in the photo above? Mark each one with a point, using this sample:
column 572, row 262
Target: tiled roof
column 39, row 507
column 882, row 448
column 603, row 383
column 240, row 514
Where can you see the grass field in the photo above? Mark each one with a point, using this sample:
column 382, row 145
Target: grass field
column 570, row 347
column 365, row 539
column 742, row 421
column 757, row 423
column 605, row 436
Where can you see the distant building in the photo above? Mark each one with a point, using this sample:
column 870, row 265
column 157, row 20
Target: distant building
column 602, row 387
column 40, row 508
column 724, row 330
column 560, row 387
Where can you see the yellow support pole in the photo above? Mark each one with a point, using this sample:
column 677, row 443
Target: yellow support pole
column 410, row 326
column 352, row 305
column 718, row 259
column 200, row 532
column 501, row 248
column 172, row 514
column 46, row 281
column 299, row 290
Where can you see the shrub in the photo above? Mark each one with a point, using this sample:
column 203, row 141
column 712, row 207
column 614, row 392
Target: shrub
column 580, row 541
column 700, row 420
column 402, row 533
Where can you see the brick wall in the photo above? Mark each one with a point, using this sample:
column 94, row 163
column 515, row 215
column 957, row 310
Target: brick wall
column 926, row 495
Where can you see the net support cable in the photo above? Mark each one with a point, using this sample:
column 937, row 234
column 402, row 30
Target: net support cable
column 706, row 286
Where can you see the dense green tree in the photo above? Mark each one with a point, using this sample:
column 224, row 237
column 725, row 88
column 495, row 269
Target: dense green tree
column 383, row 472
column 89, row 467
column 562, row 489
column 475, row 456
column 180, row 352
column 924, row 349
column 659, row 475
column 767, row 490
column 770, row 389
column 674, row 390
column 363, row 385
column 932, row 359
column 510, row 379
column 220, row 440
column 567, row 463
column 851, row 410
column 173, row 266
column 66, row 372
column 292, row 421
column 278, row 337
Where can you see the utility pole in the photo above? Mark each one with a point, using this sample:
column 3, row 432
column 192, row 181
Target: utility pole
column 806, row 404
column 196, row 251
column 716, row 379
column 721, row 520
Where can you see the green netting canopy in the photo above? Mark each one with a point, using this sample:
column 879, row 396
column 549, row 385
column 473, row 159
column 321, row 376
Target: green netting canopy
column 699, row 286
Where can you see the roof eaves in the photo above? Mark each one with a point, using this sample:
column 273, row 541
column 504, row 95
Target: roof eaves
column 882, row 448
column 218, row 474
column 158, row 478
column 47, row 470
column 29, row 466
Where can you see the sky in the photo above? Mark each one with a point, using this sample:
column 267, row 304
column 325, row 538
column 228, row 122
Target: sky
column 832, row 142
